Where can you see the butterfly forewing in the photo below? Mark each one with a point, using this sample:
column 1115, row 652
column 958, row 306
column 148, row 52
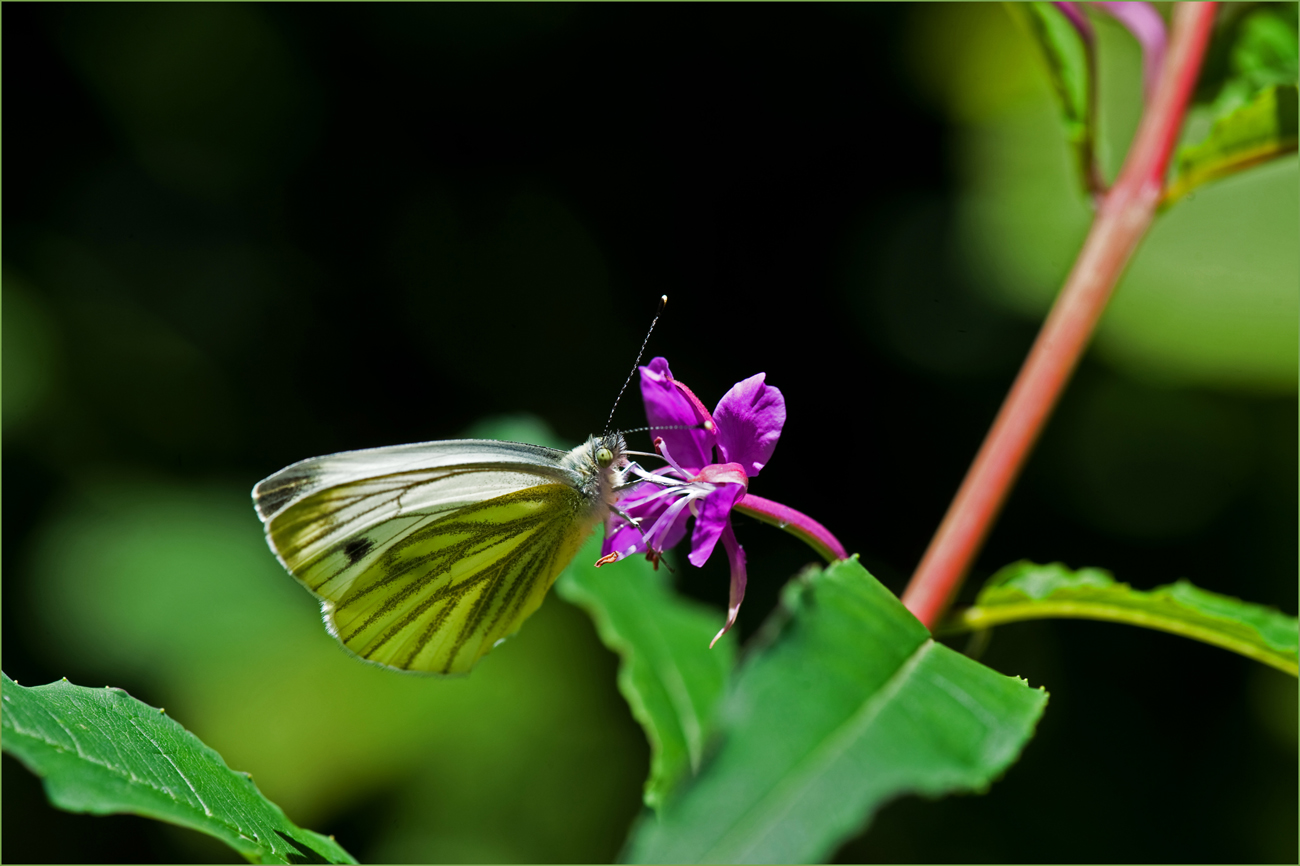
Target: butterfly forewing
column 425, row 556
column 322, row 536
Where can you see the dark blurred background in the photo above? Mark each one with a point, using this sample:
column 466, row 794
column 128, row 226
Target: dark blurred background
column 241, row 235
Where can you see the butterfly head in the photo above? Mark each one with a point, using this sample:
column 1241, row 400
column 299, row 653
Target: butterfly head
column 600, row 463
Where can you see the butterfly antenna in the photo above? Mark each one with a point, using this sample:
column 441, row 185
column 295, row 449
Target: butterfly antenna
column 704, row 426
column 663, row 302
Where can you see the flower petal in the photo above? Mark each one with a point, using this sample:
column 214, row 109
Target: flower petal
column 736, row 556
column 666, row 406
column 749, row 419
column 713, row 518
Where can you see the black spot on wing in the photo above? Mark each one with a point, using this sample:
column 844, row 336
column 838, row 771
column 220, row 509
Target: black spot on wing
column 357, row 548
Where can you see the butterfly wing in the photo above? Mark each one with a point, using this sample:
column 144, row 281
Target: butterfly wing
column 425, row 556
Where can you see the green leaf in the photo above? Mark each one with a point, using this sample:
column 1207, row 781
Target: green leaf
column 101, row 751
column 669, row 676
column 1247, row 100
column 852, row 704
column 1071, row 71
column 1026, row 590
column 1262, row 129
column 1250, row 50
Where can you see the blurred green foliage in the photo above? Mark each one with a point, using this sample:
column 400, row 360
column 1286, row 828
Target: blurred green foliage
column 30, row 354
column 1147, row 464
column 1254, row 47
column 1210, row 299
column 1069, row 60
column 1244, row 109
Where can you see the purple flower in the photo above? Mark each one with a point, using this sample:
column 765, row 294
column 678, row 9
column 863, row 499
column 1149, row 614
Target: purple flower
column 742, row 430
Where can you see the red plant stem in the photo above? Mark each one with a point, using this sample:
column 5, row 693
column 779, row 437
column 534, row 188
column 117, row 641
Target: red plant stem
column 1123, row 216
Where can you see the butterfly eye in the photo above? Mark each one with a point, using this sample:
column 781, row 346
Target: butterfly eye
column 604, row 457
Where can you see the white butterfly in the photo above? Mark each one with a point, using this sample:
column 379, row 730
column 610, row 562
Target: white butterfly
column 425, row 556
